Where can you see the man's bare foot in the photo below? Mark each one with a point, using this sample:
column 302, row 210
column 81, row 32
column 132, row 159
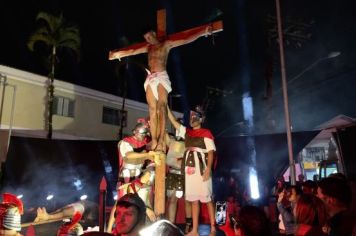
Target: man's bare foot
column 212, row 230
column 154, row 145
column 193, row 233
column 160, row 148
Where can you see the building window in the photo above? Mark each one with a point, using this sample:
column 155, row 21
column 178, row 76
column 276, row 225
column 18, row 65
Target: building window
column 63, row 106
column 114, row 116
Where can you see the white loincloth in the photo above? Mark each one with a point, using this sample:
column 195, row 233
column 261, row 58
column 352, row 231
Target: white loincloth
column 154, row 79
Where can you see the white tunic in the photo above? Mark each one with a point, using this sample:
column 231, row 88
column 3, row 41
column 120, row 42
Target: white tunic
column 195, row 188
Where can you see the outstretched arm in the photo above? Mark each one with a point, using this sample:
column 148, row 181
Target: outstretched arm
column 141, row 155
column 188, row 36
column 62, row 213
column 128, row 51
column 173, row 119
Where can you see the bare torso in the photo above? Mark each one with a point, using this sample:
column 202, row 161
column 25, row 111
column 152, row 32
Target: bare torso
column 157, row 57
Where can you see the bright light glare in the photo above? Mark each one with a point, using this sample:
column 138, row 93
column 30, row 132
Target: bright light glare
column 334, row 54
column 255, row 193
column 247, row 107
column 78, row 184
column 49, row 197
column 115, row 197
column 20, row 196
column 83, row 197
column 152, row 229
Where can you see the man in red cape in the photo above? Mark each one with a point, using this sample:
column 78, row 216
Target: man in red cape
column 197, row 166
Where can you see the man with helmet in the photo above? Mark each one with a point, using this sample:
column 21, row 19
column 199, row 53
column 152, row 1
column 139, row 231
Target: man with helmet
column 197, row 165
column 130, row 217
column 132, row 156
column 11, row 210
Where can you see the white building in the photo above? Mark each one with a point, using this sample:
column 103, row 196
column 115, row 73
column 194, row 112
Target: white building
column 79, row 112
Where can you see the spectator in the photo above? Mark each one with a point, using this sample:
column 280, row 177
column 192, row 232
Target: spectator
column 310, row 216
column 309, row 187
column 279, row 187
column 336, row 194
column 252, row 221
column 300, row 179
column 286, row 204
column 130, row 215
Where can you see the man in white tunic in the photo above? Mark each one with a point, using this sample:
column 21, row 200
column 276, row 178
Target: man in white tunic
column 198, row 161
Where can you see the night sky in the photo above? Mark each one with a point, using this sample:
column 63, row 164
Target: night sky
column 235, row 61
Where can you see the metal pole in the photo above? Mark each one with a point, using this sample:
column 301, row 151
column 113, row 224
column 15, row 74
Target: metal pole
column 285, row 96
column 3, row 79
column 12, row 115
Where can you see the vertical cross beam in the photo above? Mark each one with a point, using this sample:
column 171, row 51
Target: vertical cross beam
column 161, row 23
column 160, row 187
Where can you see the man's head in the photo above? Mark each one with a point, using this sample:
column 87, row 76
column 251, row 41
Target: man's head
column 310, row 210
column 197, row 117
column 141, row 130
column 309, row 187
column 130, row 213
column 301, row 178
column 335, row 193
column 151, row 37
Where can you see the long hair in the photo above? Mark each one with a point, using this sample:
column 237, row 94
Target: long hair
column 310, row 210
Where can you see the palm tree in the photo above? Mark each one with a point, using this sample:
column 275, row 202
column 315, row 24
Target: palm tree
column 56, row 35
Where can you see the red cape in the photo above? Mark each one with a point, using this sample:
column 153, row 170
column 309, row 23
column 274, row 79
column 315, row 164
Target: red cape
column 134, row 142
column 200, row 133
column 203, row 133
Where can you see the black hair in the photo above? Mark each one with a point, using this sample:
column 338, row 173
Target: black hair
column 337, row 188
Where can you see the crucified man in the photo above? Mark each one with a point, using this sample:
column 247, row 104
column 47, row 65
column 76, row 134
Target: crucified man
column 157, row 84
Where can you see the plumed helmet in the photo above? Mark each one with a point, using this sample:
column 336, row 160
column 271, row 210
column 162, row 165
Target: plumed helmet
column 11, row 210
column 198, row 114
column 142, row 127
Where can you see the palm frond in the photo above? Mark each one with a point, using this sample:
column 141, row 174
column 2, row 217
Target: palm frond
column 52, row 22
column 35, row 38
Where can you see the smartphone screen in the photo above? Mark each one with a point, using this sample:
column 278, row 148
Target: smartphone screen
column 220, row 212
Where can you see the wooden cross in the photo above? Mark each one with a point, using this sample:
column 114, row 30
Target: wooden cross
column 216, row 26
column 159, row 201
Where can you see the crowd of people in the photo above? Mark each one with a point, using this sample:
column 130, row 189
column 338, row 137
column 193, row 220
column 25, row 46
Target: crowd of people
column 317, row 208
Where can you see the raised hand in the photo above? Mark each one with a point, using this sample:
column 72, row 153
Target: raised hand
column 42, row 215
